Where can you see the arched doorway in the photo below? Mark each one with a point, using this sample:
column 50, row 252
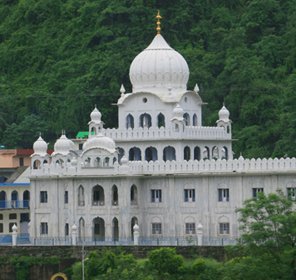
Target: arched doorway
column 115, row 230
column 99, row 229
column 151, row 154
column 26, row 199
column 2, row 199
column 133, row 222
column 169, row 153
column 14, row 199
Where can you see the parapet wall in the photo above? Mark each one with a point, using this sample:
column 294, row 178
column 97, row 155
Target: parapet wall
column 189, row 132
column 276, row 166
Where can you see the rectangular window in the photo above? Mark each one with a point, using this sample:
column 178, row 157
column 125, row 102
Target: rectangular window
column 12, row 217
column 43, row 196
column 255, row 192
column 43, row 228
column 67, row 229
column 21, row 161
column 291, row 193
column 223, row 194
column 156, row 196
column 190, row 228
column 66, row 197
column 25, row 217
column 189, row 195
column 156, row 228
column 224, row 228
column 1, row 228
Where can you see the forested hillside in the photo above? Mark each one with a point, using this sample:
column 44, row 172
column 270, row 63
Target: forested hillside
column 59, row 58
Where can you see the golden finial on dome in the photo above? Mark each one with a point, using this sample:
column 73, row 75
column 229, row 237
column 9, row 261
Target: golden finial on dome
column 158, row 17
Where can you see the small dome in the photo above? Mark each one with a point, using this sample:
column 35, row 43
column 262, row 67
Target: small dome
column 63, row 146
column 40, row 147
column 224, row 114
column 95, row 115
column 100, row 142
column 159, row 69
column 178, row 111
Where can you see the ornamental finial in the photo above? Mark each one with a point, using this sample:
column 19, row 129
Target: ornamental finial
column 158, row 17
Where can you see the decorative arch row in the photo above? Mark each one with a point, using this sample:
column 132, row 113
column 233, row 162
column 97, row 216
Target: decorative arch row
column 16, row 201
column 169, row 153
column 98, row 195
column 102, row 161
column 145, row 120
column 190, row 120
column 99, row 229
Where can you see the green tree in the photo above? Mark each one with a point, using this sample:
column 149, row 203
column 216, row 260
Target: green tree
column 268, row 240
column 165, row 263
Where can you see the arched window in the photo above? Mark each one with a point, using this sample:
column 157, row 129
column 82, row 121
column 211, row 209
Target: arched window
column 134, row 195
column 145, row 120
column 59, row 163
column 115, row 230
column 2, row 199
column 169, row 153
column 120, row 154
column 26, row 199
column 206, row 153
column 151, row 154
column 81, row 201
column 99, row 229
column 133, row 222
column 215, row 152
column 81, row 229
column 160, row 120
column 187, row 153
column 135, row 154
column 186, row 118
column 36, row 164
column 98, row 197
column 93, row 130
column 224, row 152
column 114, row 195
column 194, row 120
column 106, row 162
column 197, row 153
column 129, row 121
column 14, row 199
column 97, row 162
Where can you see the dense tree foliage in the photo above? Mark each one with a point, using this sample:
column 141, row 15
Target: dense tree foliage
column 59, row 58
column 268, row 239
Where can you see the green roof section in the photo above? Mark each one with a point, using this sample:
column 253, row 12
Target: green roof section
column 82, row 134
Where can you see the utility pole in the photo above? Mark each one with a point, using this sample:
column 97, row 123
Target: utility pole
column 82, row 260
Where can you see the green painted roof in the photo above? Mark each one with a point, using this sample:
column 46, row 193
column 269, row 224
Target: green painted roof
column 82, row 134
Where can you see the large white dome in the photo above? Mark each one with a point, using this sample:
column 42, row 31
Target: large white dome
column 159, row 69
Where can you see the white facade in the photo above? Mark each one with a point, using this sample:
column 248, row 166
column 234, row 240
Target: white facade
column 160, row 169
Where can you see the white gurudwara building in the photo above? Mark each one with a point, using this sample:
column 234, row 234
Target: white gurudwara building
column 160, row 169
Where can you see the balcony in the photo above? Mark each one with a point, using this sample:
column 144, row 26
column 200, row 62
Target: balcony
column 14, row 204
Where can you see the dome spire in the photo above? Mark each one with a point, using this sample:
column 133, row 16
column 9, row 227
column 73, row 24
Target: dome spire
column 158, row 18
